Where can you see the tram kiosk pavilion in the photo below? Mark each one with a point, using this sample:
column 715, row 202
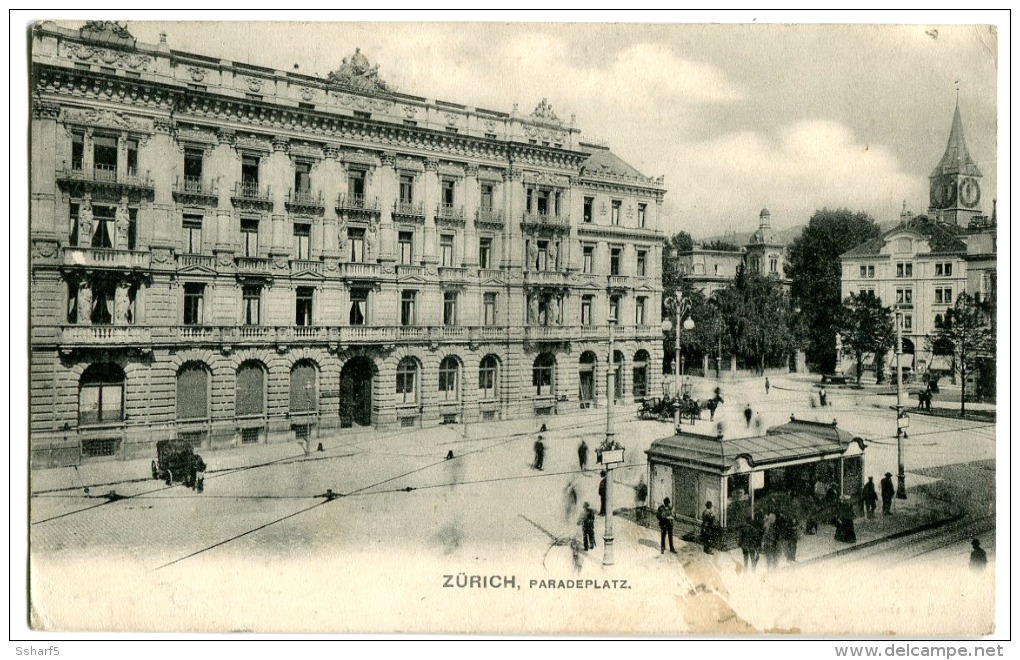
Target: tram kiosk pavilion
column 800, row 459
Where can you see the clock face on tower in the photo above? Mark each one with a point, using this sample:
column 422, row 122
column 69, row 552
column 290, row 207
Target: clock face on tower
column 970, row 192
column 947, row 193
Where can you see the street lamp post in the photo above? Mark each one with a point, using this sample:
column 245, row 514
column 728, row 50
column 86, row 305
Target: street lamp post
column 901, row 418
column 680, row 306
column 607, row 555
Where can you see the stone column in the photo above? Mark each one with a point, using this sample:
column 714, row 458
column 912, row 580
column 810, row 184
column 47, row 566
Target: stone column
column 470, row 196
column 45, row 222
column 276, row 174
column 224, row 168
column 513, row 245
column 159, row 220
column 386, row 189
column 329, row 176
column 430, row 181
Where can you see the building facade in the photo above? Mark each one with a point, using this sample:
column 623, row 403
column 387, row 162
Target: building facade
column 233, row 254
column 710, row 270
column 923, row 264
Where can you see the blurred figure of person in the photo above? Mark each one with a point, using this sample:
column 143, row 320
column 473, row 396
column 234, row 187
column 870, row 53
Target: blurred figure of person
column 770, row 542
column 640, row 496
column 582, row 455
column 750, row 543
column 570, row 499
column 978, row 558
column 789, row 534
column 759, row 425
column 748, row 414
column 768, row 386
column 539, row 453
column 845, row 531
column 870, row 497
column 602, row 493
column 587, row 523
column 888, row 491
column 821, row 396
column 665, row 516
column 707, row 528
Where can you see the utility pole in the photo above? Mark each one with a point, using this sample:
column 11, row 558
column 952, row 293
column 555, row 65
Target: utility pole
column 901, row 419
column 607, row 556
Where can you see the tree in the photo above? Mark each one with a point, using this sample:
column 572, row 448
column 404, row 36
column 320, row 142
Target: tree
column 866, row 326
column 757, row 318
column 814, row 268
column 966, row 327
column 721, row 246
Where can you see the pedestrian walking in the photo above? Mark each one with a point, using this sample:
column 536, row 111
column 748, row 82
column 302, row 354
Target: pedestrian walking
column 821, row 396
column 570, row 499
column 640, row 495
column 978, row 558
column 707, row 528
column 750, row 543
column 602, row 494
column 770, row 542
column 587, row 523
column 582, row 455
column 870, row 497
column 539, row 453
column 665, row 516
column 768, row 386
column 748, row 414
column 759, row 425
column 887, row 494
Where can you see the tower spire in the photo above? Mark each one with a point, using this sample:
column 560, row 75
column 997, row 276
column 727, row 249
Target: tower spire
column 956, row 159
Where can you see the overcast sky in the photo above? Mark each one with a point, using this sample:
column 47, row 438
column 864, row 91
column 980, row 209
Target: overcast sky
column 737, row 117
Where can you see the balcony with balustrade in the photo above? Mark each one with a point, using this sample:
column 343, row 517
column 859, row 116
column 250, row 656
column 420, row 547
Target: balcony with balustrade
column 249, row 194
column 305, row 266
column 450, row 215
column 449, row 274
column 253, row 266
column 105, row 336
column 551, row 278
column 357, row 204
column 489, row 218
column 195, row 191
column 91, row 257
column 545, row 221
column 103, row 180
column 409, row 211
column 305, row 202
column 360, row 271
column 196, row 260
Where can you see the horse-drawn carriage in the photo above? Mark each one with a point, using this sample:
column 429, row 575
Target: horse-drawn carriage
column 176, row 460
column 663, row 409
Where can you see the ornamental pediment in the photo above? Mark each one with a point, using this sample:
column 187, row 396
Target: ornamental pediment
column 546, row 179
column 105, row 119
column 252, row 143
column 412, row 279
column 196, row 270
column 307, row 275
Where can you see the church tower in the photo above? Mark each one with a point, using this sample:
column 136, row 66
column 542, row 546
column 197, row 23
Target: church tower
column 954, row 184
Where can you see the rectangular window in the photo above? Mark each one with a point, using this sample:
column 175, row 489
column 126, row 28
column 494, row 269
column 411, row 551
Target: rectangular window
column 904, row 269
column 303, row 307
column 302, row 241
column 589, row 209
column 904, row 296
column 132, row 234
column 406, row 189
column 449, row 308
column 252, row 301
column 864, row 271
column 101, row 402
column 642, row 215
column 406, row 241
column 192, row 234
column 489, row 303
column 407, row 300
column 356, row 245
column 487, row 380
column 615, row 255
column 617, row 205
column 302, row 177
column 487, row 195
column 103, row 226
column 871, row 271
column 446, row 250
column 356, row 184
column 132, row 157
column 908, row 322
column 588, row 263
column 406, row 392
column 250, row 175
column 449, row 185
column 944, row 269
column 614, row 309
column 642, row 263
column 77, row 150
column 485, row 252
column 639, row 311
column 250, row 236
column 105, row 155
column 586, row 306
column 193, row 296
column 249, row 436
column 359, row 307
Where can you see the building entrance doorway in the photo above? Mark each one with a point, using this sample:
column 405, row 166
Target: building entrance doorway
column 356, row 393
column 586, row 379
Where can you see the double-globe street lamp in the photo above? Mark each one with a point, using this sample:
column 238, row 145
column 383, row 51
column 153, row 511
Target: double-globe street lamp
column 679, row 306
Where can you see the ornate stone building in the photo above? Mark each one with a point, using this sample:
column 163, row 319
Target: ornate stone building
column 233, row 254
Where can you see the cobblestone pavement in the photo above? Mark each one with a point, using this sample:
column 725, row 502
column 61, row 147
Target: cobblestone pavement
column 263, row 529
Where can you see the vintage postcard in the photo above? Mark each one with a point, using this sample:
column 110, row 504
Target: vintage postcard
column 542, row 329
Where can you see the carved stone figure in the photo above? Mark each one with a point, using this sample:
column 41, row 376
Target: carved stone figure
column 85, row 222
column 554, row 311
column 532, row 254
column 122, row 304
column 370, row 242
column 533, row 310
column 358, row 74
column 552, row 256
column 123, row 225
column 85, row 303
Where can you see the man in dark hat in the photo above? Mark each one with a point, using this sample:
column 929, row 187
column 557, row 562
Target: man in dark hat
column 539, row 453
column 888, row 491
column 582, row 455
column 665, row 516
column 870, row 497
column 978, row 558
column 707, row 528
column 588, row 526
column 748, row 414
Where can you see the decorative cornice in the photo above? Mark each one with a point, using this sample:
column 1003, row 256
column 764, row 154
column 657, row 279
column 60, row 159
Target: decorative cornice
column 471, row 170
column 225, row 136
column 162, row 124
column 605, row 231
column 254, row 84
column 281, row 144
column 431, row 165
column 388, row 159
column 197, row 73
column 306, row 150
column 252, row 143
column 331, row 151
column 307, row 93
column 105, row 56
column 104, row 118
column 45, row 110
